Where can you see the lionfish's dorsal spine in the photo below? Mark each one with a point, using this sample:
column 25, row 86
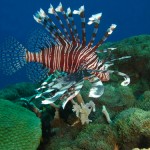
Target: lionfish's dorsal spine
column 82, row 16
column 50, row 26
column 51, row 10
column 96, row 20
column 106, row 35
column 61, row 9
column 70, row 16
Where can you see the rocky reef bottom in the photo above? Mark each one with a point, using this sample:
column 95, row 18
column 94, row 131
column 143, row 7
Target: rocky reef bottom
column 128, row 109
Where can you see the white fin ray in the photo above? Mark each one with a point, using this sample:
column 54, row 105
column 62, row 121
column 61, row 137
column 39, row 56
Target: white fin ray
column 51, row 9
column 68, row 11
column 78, row 12
column 97, row 88
column 95, row 19
column 59, row 8
column 112, row 27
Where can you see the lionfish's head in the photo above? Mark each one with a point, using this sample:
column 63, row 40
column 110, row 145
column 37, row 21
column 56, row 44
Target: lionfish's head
column 99, row 66
column 94, row 65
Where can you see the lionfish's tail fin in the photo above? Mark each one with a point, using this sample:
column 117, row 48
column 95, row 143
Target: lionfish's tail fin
column 70, row 16
column 96, row 20
column 108, row 32
column 51, row 10
column 50, row 26
column 12, row 56
column 81, row 13
column 61, row 9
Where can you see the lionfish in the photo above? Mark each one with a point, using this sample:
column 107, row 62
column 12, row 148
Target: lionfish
column 63, row 53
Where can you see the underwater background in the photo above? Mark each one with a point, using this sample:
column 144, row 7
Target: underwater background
column 131, row 17
column 122, row 117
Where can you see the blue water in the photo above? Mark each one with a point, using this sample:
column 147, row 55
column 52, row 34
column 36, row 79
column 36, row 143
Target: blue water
column 131, row 16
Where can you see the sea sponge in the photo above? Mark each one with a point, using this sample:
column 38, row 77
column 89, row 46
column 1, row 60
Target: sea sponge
column 133, row 128
column 20, row 129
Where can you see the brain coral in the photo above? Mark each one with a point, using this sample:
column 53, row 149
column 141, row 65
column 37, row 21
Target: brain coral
column 133, row 127
column 20, row 129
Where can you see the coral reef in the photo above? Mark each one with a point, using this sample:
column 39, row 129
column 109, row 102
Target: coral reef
column 133, row 128
column 118, row 95
column 20, row 129
column 96, row 136
column 93, row 136
column 14, row 92
column 144, row 101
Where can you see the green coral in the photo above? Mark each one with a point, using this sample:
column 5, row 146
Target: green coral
column 92, row 137
column 18, row 90
column 9, row 93
column 64, row 139
column 96, row 137
column 144, row 101
column 118, row 96
column 133, row 126
column 20, row 129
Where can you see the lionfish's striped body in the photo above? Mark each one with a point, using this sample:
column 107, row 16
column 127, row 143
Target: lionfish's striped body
column 64, row 51
column 68, row 59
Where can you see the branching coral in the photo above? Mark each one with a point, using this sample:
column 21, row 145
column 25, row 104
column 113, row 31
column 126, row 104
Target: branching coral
column 105, row 112
column 83, row 111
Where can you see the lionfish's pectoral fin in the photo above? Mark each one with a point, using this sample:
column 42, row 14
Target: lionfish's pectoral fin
column 62, row 88
column 126, row 77
column 97, row 89
column 59, row 92
column 71, row 94
column 55, row 86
